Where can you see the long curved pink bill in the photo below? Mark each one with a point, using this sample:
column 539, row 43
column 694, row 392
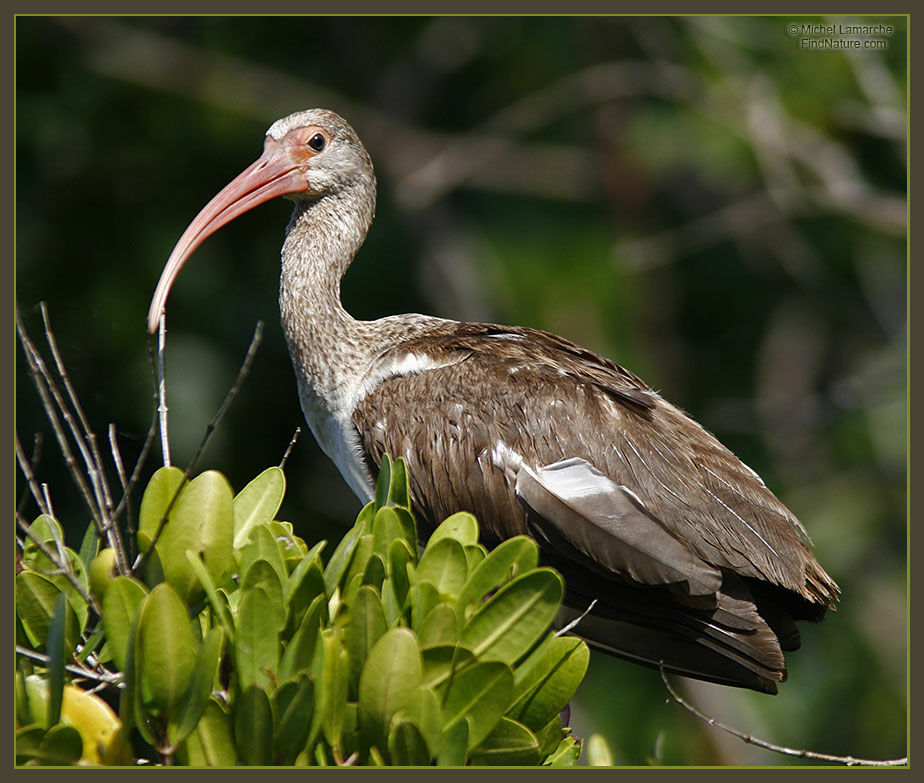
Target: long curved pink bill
column 273, row 174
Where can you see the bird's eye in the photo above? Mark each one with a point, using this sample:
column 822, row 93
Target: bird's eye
column 317, row 142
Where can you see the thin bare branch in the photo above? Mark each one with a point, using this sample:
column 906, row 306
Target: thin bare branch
column 209, row 429
column 850, row 761
column 64, row 568
column 285, row 457
column 105, row 677
column 576, row 620
column 31, row 464
column 162, row 390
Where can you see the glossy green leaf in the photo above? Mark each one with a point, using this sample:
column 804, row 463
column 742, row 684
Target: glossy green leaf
column 261, row 574
column 389, row 680
column 461, row 526
column 386, row 527
column 444, row 661
column 399, row 555
column 201, row 520
column 212, row 742
column 374, row 573
column 89, row 545
column 423, row 597
column 424, row 710
column 398, row 494
column 354, row 573
column 383, row 482
column 200, row 687
column 511, row 558
column 56, row 652
column 474, row 555
column 293, row 704
column 443, row 565
column 547, row 680
column 256, row 648
column 257, row 503
column 121, row 600
column 480, row 692
column 440, row 627
column 406, row 744
column 305, row 582
column 35, row 605
column 453, row 749
column 253, row 727
column 567, row 754
column 366, row 626
column 61, row 746
column 333, row 688
column 299, row 653
column 46, row 529
column 166, row 648
column 261, row 545
column 515, row 617
column 340, row 558
column 219, row 605
column 509, row 744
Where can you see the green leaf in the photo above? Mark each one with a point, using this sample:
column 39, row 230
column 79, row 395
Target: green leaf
column 261, row 545
column 121, row 600
column 333, row 685
column 399, row 555
column 480, row 692
column 567, row 754
column 515, row 617
column 202, row 519
column 340, row 559
column 366, row 626
column 253, row 727
column 453, row 750
column 440, row 627
column 398, row 492
column 300, row 650
column 219, row 606
column 256, row 645
column 383, row 482
column 511, row 558
column 547, row 680
column 46, row 529
column 443, row 661
column 56, row 652
column 294, row 703
column 509, row 744
column 388, row 681
column 474, row 556
column 374, row 574
column 261, row 574
column 443, row 565
column 35, row 603
column 305, row 582
column 386, row 527
column 461, row 526
column 257, row 503
column 166, row 649
column 212, row 742
column 61, row 746
column 200, row 687
column 406, row 744
column 89, row 545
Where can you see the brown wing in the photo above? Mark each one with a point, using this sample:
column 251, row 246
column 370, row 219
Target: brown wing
column 695, row 526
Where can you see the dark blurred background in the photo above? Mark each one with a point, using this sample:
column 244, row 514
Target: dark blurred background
column 703, row 199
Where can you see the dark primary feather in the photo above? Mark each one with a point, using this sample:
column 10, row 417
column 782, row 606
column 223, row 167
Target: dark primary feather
column 691, row 558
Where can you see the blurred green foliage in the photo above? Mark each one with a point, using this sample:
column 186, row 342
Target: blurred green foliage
column 701, row 198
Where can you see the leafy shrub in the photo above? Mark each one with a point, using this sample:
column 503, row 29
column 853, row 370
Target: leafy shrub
column 240, row 645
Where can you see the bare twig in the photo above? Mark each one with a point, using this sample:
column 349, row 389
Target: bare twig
column 576, row 620
column 209, row 430
column 31, row 464
column 105, row 677
column 64, row 568
column 285, row 457
column 162, row 390
column 850, row 761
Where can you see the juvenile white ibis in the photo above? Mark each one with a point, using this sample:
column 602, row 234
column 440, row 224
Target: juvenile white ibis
column 693, row 562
